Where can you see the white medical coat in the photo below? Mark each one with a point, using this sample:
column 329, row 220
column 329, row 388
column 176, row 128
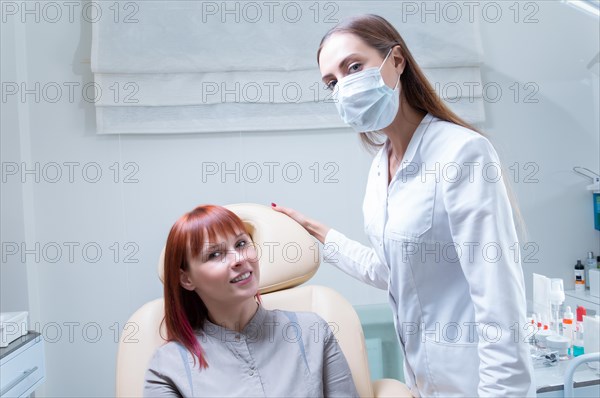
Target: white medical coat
column 444, row 245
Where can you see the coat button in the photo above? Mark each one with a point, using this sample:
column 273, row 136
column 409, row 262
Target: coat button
column 251, row 373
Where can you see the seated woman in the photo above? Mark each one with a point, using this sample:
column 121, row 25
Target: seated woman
column 221, row 340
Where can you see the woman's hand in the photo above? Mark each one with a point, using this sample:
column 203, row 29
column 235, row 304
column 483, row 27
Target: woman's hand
column 313, row 227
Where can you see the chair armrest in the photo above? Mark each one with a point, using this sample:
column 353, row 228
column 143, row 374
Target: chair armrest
column 390, row 388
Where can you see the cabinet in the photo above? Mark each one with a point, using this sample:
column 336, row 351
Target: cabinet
column 550, row 380
column 22, row 368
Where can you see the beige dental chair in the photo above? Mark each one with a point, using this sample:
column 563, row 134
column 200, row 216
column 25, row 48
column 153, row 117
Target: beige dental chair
column 289, row 256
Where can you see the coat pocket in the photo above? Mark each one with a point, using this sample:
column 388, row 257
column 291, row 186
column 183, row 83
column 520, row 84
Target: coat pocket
column 453, row 367
column 410, row 209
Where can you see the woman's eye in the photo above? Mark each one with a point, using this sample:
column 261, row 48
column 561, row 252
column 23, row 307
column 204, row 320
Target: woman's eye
column 242, row 243
column 354, row 67
column 214, row 255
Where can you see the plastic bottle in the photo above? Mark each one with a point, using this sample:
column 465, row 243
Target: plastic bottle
column 590, row 263
column 557, row 297
column 568, row 328
column 543, row 331
column 579, row 277
column 545, row 322
column 578, row 340
column 532, row 329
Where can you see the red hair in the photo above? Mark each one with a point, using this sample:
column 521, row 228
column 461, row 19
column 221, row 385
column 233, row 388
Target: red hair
column 185, row 312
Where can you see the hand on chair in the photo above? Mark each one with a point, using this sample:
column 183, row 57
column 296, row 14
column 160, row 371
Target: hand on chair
column 313, row 227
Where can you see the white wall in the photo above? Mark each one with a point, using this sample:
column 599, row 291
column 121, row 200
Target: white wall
column 13, row 292
column 557, row 133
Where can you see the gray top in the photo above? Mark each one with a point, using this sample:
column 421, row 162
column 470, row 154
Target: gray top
column 278, row 354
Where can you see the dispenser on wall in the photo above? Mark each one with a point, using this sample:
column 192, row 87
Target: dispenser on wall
column 595, row 188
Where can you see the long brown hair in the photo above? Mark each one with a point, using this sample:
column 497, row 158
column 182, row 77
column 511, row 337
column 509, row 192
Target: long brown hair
column 185, row 312
column 379, row 34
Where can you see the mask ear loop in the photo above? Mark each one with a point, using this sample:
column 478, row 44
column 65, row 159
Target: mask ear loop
column 385, row 59
column 398, row 82
column 383, row 63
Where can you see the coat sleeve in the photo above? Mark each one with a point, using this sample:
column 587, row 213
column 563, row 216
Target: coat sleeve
column 481, row 224
column 355, row 259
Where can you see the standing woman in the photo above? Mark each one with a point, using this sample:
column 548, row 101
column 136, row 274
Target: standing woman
column 440, row 223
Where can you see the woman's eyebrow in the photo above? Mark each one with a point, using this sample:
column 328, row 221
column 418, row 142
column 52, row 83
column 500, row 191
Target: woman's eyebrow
column 217, row 245
column 340, row 66
column 211, row 247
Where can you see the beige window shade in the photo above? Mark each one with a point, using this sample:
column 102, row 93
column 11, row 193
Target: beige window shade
column 189, row 67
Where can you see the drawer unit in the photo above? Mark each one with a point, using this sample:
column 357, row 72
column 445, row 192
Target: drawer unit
column 22, row 367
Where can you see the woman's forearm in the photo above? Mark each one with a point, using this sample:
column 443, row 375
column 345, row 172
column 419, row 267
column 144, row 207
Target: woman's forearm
column 317, row 229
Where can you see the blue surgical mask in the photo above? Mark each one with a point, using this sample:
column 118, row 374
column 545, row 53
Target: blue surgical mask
column 365, row 102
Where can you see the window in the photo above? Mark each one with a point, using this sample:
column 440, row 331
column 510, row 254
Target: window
column 589, row 6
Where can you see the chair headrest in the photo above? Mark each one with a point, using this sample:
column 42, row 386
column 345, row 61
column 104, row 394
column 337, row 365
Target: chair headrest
column 288, row 255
